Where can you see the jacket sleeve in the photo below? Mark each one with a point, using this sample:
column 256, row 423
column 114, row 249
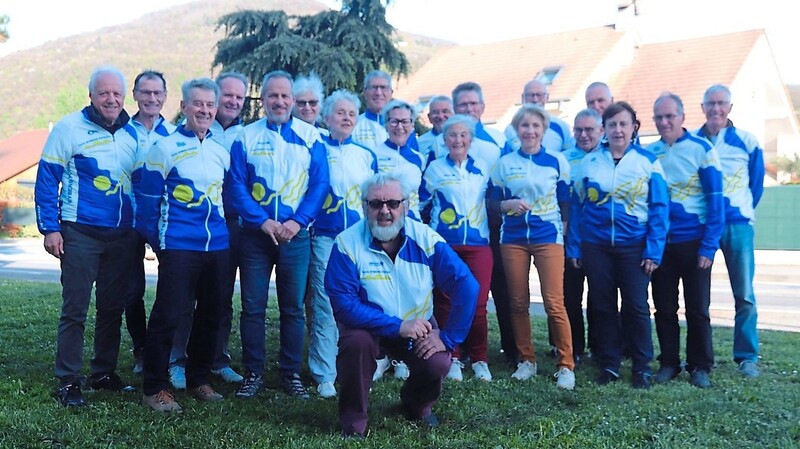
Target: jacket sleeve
column 318, row 182
column 577, row 194
column 710, row 175
column 657, row 215
column 756, row 169
column 149, row 192
column 56, row 154
column 452, row 276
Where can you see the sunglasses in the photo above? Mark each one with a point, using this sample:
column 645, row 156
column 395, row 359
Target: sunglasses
column 378, row 204
column 303, row 103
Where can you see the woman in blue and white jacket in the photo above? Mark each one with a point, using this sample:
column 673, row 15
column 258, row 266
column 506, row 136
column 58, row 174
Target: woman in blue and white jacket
column 617, row 233
column 349, row 165
column 531, row 186
column 456, row 185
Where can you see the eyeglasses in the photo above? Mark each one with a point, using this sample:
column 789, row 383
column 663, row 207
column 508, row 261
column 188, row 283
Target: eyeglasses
column 304, row 103
column 378, row 204
column 393, row 122
column 147, row 93
column 669, row 117
column 379, row 87
column 709, row 104
column 589, row 130
column 468, row 104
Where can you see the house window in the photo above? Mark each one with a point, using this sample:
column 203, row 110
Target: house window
column 548, row 74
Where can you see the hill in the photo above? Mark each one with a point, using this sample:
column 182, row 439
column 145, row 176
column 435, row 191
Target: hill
column 40, row 85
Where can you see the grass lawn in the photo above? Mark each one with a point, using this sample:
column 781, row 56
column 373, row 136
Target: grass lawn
column 735, row 413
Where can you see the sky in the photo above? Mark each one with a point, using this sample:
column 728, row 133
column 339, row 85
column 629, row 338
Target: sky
column 466, row 21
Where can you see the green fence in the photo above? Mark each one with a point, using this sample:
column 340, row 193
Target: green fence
column 778, row 218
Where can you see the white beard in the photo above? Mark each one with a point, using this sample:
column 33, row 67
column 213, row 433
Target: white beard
column 386, row 233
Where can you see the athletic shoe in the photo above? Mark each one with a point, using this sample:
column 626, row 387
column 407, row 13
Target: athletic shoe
column 641, row 380
column 326, row 390
column 249, row 388
column 383, row 366
column 228, row 374
column 109, row 382
column 163, row 402
column 70, row 395
column 481, row 370
column 700, row 378
column 606, row 377
column 525, row 370
column 748, row 369
column 293, row 386
column 177, row 377
column 400, row 370
column 666, row 373
column 455, row 370
column 565, row 378
column 206, row 393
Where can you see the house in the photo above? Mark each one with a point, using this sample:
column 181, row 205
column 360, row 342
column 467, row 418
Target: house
column 636, row 72
column 19, row 157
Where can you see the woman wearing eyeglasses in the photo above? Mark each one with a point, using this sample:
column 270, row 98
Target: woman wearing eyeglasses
column 308, row 97
column 456, row 185
column 532, row 187
column 349, row 165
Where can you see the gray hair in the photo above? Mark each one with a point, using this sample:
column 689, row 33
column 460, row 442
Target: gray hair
column 199, row 83
column 717, row 88
column 460, row 119
column 531, row 109
column 225, row 75
column 341, row 94
column 150, row 75
column 440, row 98
column 276, row 74
column 103, row 70
column 310, row 83
column 377, row 74
column 673, row 97
column 397, row 104
column 591, row 113
column 600, row 84
column 466, row 87
column 382, row 178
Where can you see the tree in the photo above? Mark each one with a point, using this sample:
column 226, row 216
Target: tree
column 340, row 46
column 790, row 166
column 3, row 28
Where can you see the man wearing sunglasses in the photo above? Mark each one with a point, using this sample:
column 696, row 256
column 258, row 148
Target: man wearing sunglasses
column 380, row 279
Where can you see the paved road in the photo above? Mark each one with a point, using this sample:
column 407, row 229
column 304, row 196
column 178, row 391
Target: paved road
column 777, row 282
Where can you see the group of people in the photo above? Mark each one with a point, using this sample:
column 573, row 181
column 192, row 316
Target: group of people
column 389, row 242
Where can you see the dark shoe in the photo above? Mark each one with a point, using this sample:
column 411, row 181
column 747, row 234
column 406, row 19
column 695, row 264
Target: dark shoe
column 579, row 359
column 70, row 395
column 748, row 369
column 250, row 386
column 666, row 373
column 700, row 378
column 110, row 382
column 353, row 435
column 606, row 377
column 206, row 393
column 293, row 386
column 641, row 381
column 431, row 421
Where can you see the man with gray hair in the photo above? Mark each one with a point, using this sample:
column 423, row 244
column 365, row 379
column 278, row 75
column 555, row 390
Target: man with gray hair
column 279, row 175
column 598, row 96
column 370, row 131
column 380, row 279
column 179, row 211
column 84, row 210
column 742, row 162
column 557, row 137
column 431, row 144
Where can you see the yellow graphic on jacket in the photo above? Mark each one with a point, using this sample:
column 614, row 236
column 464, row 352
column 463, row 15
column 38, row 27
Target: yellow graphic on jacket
column 679, row 191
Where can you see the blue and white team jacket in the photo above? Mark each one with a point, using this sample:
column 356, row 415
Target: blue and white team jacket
column 557, row 138
column 486, row 145
column 742, row 162
column 179, row 197
column 575, row 155
column 622, row 204
column 349, row 165
column 278, row 172
column 93, row 168
column 369, row 290
column 404, row 162
column 369, row 130
column 694, row 180
column 543, row 181
column 430, row 145
column 226, row 136
column 161, row 128
column 459, row 200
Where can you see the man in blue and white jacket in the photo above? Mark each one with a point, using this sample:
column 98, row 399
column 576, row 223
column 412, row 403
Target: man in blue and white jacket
column 380, row 280
column 84, row 210
column 696, row 220
column 179, row 211
column 742, row 162
column 558, row 136
column 279, row 175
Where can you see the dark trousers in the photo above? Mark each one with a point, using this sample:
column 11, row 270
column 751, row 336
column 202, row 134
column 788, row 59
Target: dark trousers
column 88, row 262
column 355, row 364
column 184, row 276
column 680, row 263
column 135, row 315
column 573, row 302
column 612, row 269
column 501, row 297
column 222, row 357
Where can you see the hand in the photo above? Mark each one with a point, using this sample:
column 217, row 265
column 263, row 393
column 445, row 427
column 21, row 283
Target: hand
column 703, row 262
column 576, row 263
column 271, row 228
column 429, row 345
column 54, row 244
column 288, row 230
column 415, row 329
column 516, row 207
column 649, row 266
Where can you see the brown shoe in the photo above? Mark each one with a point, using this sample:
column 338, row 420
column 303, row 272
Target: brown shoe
column 206, row 393
column 163, row 401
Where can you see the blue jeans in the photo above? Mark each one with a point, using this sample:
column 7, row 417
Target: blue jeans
column 610, row 269
column 737, row 247
column 290, row 260
column 324, row 334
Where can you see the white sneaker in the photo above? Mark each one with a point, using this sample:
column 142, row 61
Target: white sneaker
column 228, row 375
column 455, row 370
column 565, row 378
column 481, row 370
column 177, row 377
column 400, row 370
column 525, row 370
column 326, row 390
column 383, row 365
